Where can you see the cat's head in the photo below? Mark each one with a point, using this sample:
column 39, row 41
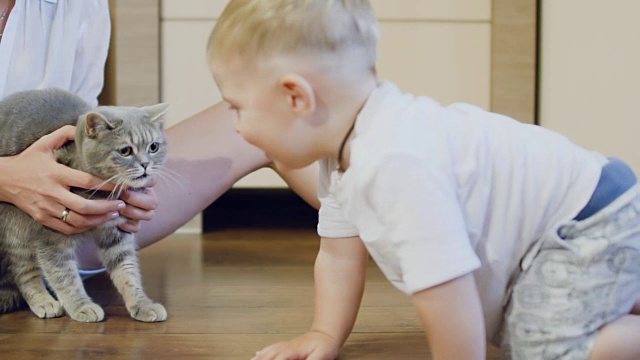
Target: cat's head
column 125, row 145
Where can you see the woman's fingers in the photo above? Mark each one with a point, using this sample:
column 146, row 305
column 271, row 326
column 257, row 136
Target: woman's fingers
column 55, row 222
column 52, row 214
column 141, row 203
column 85, row 222
column 131, row 226
column 84, row 206
column 56, row 139
column 80, row 179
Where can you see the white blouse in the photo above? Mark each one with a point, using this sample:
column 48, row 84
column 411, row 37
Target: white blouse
column 55, row 43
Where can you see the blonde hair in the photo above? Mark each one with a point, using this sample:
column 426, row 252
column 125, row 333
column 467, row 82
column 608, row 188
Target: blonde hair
column 260, row 29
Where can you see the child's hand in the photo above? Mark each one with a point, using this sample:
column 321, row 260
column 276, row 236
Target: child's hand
column 310, row 346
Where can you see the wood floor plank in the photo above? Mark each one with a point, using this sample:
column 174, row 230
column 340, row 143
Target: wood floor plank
column 228, row 294
column 186, row 320
column 196, row 346
column 209, row 346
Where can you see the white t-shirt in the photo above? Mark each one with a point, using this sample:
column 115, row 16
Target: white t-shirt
column 437, row 192
column 55, row 43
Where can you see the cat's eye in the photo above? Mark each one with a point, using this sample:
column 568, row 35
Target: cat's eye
column 125, row 151
column 154, row 147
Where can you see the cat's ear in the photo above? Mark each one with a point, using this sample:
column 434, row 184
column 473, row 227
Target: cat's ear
column 94, row 122
column 156, row 113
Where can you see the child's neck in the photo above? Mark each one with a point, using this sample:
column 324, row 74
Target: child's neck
column 346, row 120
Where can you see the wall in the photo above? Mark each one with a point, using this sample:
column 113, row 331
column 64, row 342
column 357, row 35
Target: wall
column 590, row 74
column 477, row 51
column 440, row 48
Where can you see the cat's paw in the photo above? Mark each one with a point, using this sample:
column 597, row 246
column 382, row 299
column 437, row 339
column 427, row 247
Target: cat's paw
column 48, row 309
column 148, row 312
column 87, row 313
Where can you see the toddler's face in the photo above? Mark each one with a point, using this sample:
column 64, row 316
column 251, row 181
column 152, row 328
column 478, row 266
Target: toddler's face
column 263, row 117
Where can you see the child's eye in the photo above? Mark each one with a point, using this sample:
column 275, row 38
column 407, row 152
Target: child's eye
column 125, row 151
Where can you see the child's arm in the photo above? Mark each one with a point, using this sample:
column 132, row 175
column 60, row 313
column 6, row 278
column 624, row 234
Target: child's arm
column 339, row 284
column 453, row 320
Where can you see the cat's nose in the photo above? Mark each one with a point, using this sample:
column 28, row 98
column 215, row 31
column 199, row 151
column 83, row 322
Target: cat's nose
column 144, row 165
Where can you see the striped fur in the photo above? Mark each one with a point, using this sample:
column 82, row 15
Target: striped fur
column 125, row 145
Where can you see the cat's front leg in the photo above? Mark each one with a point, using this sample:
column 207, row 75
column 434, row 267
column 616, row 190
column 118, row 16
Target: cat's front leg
column 58, row 263
column 117, row 250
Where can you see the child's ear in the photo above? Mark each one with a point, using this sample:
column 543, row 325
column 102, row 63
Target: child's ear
column 300, row 94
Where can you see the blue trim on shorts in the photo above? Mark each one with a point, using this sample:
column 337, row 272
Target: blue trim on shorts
column 85, row 274
column 616, row 178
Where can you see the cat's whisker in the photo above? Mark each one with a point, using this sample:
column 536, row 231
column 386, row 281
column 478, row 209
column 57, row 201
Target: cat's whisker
column 97, row 188
column 119, row 184
column 168, row 175
column 123, row 185
column 172, row 172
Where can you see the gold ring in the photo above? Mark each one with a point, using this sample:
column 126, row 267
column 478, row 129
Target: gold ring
column 65, row 213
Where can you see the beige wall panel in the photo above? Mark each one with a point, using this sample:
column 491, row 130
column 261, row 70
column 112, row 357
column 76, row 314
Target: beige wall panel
column 447, row 61
column 467, row 10
column 186, row 81
column 192, row 9
column 590, row 78
column 188, row 85
column 386, row 9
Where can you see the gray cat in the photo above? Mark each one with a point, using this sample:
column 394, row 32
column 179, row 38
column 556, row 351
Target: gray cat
column 125, row 145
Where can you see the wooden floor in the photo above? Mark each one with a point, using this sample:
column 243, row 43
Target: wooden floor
column 228, row 293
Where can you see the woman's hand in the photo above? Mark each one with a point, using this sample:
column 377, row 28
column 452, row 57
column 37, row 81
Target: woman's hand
column 141, row 205
column 38, row 185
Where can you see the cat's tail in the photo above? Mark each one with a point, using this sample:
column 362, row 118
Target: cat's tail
column 10, row 298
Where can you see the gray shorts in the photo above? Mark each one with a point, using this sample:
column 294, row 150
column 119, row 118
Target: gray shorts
column 577, row 278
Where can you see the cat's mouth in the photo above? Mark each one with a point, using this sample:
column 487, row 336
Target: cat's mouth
column 142, row 180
